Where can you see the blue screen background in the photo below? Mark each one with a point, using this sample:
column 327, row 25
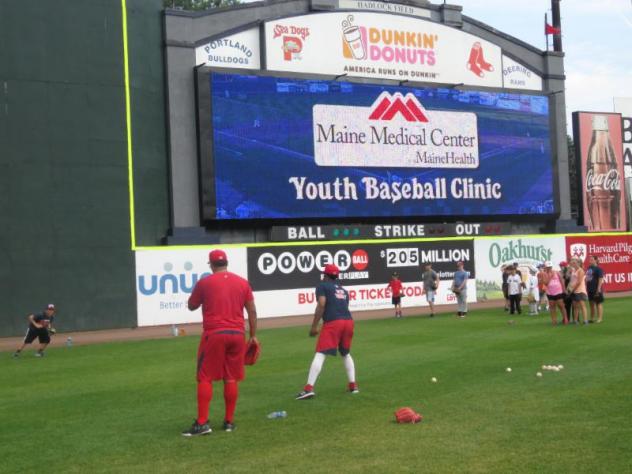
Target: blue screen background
column 262, row 135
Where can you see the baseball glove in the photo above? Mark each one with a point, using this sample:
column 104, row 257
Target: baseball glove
column 407, row 415
column 52, row 331
column 253, row 349
column 455, row 290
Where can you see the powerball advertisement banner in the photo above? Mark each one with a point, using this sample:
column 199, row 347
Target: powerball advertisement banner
column 294, row 148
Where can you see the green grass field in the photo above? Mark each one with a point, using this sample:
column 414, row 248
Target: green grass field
column 120, row 407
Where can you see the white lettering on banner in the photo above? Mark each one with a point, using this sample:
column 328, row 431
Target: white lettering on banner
column 383, row 6
column 518, row 76
column 409, row 189
column 305, row 233
column 410, row 230
column 240, row 50
column 304, row 262
column 401, row 257
column 396, row 131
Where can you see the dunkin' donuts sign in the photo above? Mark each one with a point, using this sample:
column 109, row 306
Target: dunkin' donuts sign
column 396, row 131
column 382, row 46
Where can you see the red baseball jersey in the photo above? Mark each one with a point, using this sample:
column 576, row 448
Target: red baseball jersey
column 396, row 287
column 222, row 296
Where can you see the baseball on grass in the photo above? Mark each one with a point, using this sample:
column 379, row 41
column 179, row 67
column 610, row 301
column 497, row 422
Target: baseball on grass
column 538, row 374
column 508, row 369
column 433, row 379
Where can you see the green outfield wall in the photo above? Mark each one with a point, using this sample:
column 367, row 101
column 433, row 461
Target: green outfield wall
column 64, row 187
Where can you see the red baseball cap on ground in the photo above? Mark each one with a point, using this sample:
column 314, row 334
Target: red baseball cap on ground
column 216, row 256
column 331, row 269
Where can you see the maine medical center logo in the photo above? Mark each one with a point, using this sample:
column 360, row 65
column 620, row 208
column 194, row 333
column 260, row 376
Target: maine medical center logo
column 395, row 131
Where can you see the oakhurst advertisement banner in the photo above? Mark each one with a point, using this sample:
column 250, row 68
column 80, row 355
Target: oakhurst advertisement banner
column 527, row 252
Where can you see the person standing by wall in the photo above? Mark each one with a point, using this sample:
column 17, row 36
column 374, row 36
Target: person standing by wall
column 505, row 274
column 532, row 292
column 223, row 296
column 397, row 291
column 566, row 271
column 514, row 289
column 430, row 280
column 543, row 304
column 577, row 290
column 594, row 286
column 555, row 292
column 459, row 288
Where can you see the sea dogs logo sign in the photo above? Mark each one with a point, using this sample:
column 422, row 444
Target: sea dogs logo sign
column 293, row 38
column 396, row 131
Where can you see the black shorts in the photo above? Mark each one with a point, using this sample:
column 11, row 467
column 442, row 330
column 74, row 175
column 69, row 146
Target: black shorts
column 556, row 297
column 37, row 333
column 596, row 297
column 396, row 300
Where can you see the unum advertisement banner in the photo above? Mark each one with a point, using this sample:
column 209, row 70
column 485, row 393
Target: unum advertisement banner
column 383, row 46
column 614, row 253
column 165, row 279
column 492, row 254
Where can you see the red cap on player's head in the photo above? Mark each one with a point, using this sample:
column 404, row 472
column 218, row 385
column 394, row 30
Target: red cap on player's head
column 563, row 264
column 217, row 256
column 331, row 269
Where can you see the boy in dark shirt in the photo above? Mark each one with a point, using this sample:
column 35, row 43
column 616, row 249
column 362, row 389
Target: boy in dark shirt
column 40, row 327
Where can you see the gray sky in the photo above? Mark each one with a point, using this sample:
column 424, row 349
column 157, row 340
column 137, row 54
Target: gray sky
column 596, row 36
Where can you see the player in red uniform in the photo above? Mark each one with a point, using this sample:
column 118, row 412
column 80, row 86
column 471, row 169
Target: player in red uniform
column 397, row 291
column 223, row 297
column 337, row 331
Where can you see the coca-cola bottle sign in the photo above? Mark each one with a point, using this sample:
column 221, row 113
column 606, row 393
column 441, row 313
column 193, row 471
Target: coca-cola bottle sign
column 602, row 187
